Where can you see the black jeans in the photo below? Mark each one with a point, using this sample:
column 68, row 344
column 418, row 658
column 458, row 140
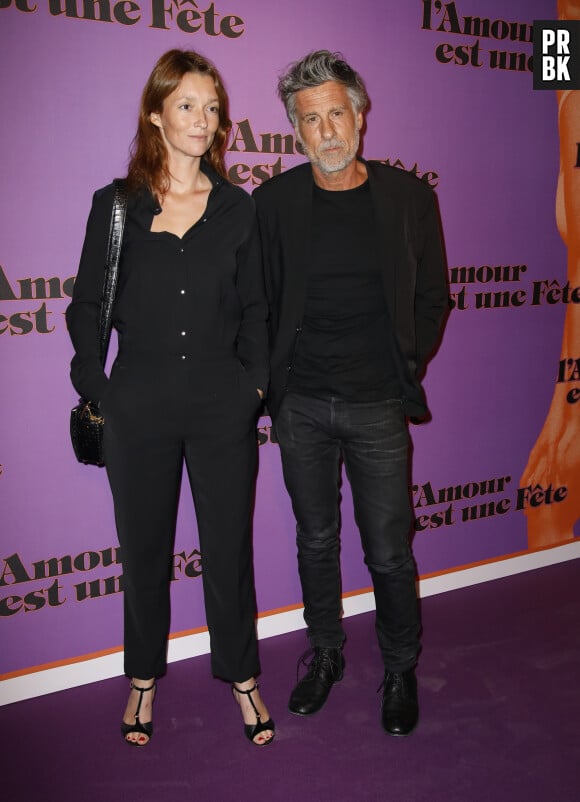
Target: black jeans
column 373, row 440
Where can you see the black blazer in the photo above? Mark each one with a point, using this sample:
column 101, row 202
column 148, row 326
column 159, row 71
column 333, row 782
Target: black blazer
column 411, row 259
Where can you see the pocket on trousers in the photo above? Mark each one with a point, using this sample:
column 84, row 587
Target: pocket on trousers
column 114, row 388
column 246, row 386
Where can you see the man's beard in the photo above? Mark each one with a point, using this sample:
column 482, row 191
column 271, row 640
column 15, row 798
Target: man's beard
column 332, row 163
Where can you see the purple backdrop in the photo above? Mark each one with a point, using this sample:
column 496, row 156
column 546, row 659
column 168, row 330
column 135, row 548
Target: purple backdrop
column 475, row 130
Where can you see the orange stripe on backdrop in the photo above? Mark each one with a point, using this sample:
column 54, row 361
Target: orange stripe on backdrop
column 85, row 657
column 499, row 559
column 60, row 663
column 351, row 593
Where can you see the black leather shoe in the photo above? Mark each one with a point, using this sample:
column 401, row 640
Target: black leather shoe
column 400, row 709
column 324, row 669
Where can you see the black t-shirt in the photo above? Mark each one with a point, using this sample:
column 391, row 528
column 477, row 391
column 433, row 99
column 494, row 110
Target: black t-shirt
column 344, row 346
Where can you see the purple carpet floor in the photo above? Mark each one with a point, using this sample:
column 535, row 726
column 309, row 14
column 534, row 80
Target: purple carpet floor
column 499, row 682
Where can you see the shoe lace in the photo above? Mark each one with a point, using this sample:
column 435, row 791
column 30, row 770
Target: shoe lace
column 302, row 661
column 397, row 681
column 320, row 659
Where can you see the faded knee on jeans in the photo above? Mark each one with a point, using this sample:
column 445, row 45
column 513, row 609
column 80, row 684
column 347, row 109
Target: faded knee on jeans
column 396, row 561
column 318, row 541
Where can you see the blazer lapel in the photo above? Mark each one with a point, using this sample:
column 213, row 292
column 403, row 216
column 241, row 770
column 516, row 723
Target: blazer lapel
column 384, row 204
column 298, row 226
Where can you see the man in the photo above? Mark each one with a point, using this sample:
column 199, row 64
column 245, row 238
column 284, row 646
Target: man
column 356, row 285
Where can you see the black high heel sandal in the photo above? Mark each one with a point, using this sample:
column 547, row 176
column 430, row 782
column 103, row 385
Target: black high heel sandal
column 138, row 727
column 251, row 730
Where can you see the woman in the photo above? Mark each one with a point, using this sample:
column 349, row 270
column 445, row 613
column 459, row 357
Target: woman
column 187, row 381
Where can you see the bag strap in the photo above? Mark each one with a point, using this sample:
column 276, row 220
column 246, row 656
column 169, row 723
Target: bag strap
column 117, row 226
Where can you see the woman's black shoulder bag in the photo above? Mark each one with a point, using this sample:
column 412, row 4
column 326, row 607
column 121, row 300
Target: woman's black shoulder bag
column 86, row 420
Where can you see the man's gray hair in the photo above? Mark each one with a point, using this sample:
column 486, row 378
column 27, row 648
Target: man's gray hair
column 315, row 69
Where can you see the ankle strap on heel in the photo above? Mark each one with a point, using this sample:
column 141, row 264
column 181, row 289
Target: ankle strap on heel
column 141, row 691
column 248, row 693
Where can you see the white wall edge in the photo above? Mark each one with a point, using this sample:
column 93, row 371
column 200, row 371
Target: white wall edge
column 51, row 680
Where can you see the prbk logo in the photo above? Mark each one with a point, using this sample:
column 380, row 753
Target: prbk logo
column 556, row 54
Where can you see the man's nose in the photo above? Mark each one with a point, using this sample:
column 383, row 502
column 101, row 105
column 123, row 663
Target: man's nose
column 326, row 129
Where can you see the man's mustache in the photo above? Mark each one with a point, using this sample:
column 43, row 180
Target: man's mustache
column 334, row 143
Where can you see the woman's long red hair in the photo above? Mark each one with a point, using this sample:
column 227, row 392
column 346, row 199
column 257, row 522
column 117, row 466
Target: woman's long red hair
column 148, row 166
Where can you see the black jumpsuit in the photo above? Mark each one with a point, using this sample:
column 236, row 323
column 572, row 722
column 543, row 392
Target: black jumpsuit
column 191, row 320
